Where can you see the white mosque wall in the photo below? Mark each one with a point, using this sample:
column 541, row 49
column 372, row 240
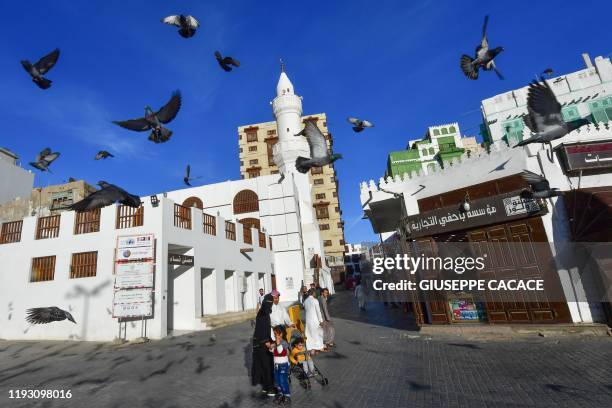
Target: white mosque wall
column 181, row 295
column 279, row 216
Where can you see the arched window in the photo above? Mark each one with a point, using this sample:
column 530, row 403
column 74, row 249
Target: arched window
column 436, row 132
column 246, row 201
column 452, row 129
column 250, row 223
column 193, row 202
column 424, row 152
column 444, row 131
column 431, row 150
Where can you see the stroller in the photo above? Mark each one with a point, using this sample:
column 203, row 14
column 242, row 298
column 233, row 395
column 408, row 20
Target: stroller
column 297, row 370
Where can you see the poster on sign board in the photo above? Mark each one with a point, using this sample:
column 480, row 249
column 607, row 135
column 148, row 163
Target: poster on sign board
column 135, row 253
column 133, row 302
column 134, row 275
column 135, row 241
column 132, row 310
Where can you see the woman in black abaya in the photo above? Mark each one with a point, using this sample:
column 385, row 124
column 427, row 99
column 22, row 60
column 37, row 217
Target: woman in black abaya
column 262, row 371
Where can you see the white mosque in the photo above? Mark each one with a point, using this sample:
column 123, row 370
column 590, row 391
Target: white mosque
column 183, row 259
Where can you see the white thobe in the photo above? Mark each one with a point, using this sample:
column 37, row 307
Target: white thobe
column 279, row 315
column 314, row 331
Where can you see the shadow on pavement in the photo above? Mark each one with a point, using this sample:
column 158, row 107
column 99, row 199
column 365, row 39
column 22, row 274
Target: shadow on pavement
column 343, row 305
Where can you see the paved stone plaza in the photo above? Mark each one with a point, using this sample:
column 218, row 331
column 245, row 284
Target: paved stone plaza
column 380, row 361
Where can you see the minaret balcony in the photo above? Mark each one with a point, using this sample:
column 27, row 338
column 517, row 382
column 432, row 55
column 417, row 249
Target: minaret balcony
column 287, row 102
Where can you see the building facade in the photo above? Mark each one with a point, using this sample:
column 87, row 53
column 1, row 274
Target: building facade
column 46, row 200
column 256, row 146
column 425, row 210
column 586, row 93
column 441, row 144
column 70, row 260
column 15, row 181
column 211, row 248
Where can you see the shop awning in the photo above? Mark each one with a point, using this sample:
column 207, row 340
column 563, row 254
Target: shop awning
column 385, row 215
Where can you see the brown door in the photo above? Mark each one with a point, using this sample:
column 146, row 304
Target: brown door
column 273, row 282
column 519, row 252
column 438, row 310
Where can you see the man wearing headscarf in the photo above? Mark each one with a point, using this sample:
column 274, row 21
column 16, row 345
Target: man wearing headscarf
column 262, row 371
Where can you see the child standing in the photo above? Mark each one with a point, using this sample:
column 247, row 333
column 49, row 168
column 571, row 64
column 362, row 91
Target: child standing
column 301, row 356
column 280, row 349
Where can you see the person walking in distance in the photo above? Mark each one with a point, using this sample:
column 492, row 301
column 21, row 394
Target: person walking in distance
column 329, row 332
column 360, row 295
column 260, row 298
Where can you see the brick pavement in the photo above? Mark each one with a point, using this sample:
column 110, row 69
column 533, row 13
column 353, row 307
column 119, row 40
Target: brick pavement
column 380, row 361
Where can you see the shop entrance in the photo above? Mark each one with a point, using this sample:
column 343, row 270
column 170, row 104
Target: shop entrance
column 517, row 261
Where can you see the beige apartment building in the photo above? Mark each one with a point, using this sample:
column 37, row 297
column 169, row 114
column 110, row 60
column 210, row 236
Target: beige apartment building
column 46, row 201
column 256, row 159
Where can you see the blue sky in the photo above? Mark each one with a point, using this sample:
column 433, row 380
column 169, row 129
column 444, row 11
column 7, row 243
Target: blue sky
column 393, row 62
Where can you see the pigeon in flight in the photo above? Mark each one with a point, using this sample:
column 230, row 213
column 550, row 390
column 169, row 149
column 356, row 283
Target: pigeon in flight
column 103, row 154
column 40, row 68
column 107, row 195
column 319, row 153
column 359, row 125
column 44, row 315
column 154, row 120
column 187, row 24
column 544, row 117
column 44, row 160
column 226, row 62
column 484, row 57
column 540, row 187
column 188, row 177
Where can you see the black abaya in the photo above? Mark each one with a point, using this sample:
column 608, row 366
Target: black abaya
column 262, row 371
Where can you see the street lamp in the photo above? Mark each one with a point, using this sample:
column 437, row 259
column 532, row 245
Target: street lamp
column 154, row 200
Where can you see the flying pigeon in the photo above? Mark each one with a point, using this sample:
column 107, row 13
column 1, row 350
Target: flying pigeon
column 43, row 65
column 154, row 120
column 540, row 187
column 187, row 24
column 359, row 125
column 225, row 62
column 44, row 160
column 107, row 195
column 483, row 59
column 545, row 119
column 103, row 154
column 319, row 153
column 188, row 177
column 44, row 315
column 548, row 71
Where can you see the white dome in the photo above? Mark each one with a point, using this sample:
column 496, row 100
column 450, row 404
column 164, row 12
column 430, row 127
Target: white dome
column 284, row 85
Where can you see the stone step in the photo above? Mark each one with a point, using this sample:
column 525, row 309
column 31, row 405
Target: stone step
column 227, row 319
column 515, row 330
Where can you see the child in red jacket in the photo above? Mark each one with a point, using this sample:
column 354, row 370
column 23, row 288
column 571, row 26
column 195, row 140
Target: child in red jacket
column 280, row 350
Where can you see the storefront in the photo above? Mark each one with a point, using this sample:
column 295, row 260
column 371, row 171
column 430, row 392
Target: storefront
column 491, row 216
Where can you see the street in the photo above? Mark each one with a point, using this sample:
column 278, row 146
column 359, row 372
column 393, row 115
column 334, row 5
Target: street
column 380, row 361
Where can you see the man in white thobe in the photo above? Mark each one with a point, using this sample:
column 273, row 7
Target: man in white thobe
column 314, row 321
column 279, row 315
